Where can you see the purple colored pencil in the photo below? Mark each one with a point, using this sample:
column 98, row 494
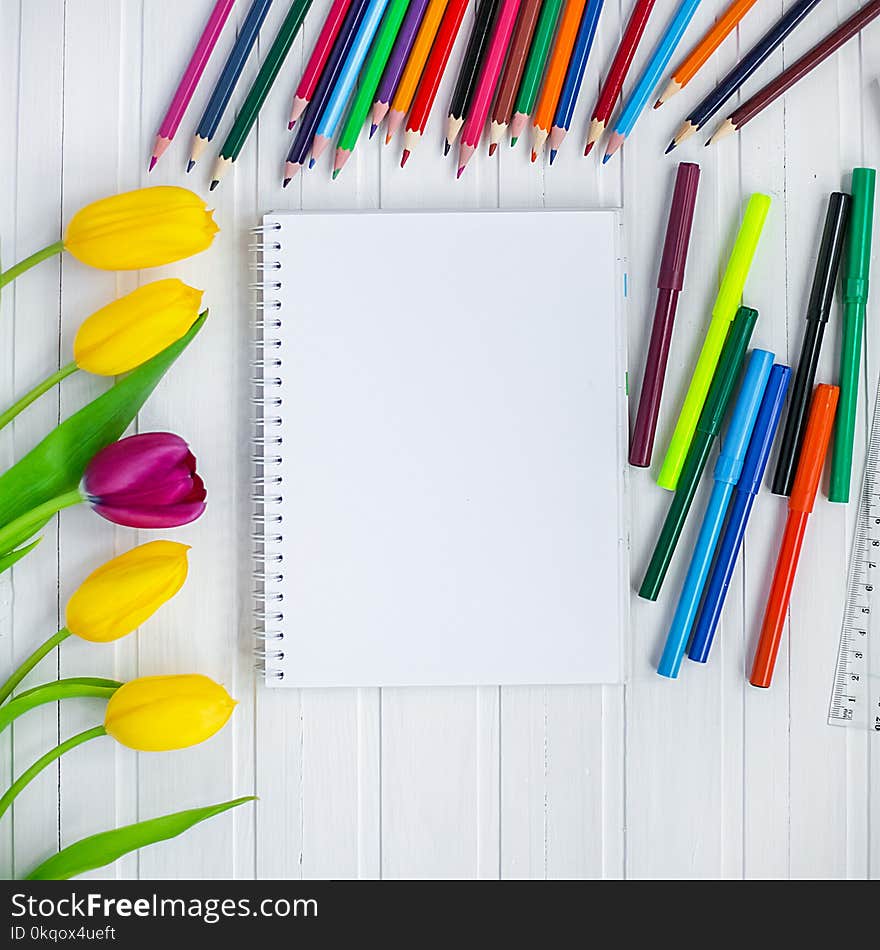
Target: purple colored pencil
column 396, row 62
column 669, row 284
column 305, row 132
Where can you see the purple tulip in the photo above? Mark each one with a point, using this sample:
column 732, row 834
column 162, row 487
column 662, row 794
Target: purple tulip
column 145, row 481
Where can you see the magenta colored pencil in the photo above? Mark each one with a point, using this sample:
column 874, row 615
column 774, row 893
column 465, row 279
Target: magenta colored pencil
column 485, row 91
column 397, row 61
column 315, row 66
column 191, row 77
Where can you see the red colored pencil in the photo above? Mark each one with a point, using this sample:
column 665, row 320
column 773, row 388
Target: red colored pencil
column 431, row 77
column 610, row 91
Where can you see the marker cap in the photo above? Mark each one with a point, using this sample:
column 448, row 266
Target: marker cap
column 724, row 380
column 828, row 262
column 728, row 468
column 858, row 249
column 678, row 228
column 761, row 442
column 730, row 292
column 816, row 438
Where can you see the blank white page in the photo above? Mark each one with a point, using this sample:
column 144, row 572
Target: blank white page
column 453, row 448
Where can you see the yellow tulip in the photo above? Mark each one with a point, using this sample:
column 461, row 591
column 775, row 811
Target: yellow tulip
column 144, row 228
column 121, row 594
column 161, row 713
column 134, row 328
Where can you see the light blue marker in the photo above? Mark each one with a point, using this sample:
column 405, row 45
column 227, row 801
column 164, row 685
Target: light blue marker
column 727, row 471
column 347, row 78
column 651, row 75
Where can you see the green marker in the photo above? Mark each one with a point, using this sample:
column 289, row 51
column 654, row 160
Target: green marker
column 534, row 71
column 708, row 427
column 369, row 82
column 726, row 303
column 855, row 300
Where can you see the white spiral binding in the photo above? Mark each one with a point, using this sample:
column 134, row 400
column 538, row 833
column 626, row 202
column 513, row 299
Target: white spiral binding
column 268, row 490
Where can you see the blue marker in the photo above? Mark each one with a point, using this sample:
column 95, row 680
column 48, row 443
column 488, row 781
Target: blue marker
column 651, row 75
column 232, row 70
column 740, row 508
column 727, row 472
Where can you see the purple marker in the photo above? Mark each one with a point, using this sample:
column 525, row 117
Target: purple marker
column 302, row 141
column 669, row 284
column 396, row 62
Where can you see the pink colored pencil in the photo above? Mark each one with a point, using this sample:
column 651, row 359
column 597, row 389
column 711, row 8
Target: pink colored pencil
column 312, row 73
column 194, row 70
column 485, row 91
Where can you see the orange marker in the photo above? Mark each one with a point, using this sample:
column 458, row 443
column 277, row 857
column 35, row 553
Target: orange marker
column 698, row 56
column 800, row 504
column 555, row 75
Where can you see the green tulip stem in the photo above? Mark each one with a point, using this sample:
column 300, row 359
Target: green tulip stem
column 35, row 393
column 30, row 774
column 75, row 687
column 8, row 276
column 31, row 662
column 26, row 525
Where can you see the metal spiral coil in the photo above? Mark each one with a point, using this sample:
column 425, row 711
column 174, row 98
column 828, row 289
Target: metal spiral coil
column 267, row 495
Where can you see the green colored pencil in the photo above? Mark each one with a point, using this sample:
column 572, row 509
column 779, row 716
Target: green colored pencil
column 256, row 96
column 369, row 82
column 534, row 71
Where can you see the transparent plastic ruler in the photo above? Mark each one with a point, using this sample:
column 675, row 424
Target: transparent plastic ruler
column 855, row 697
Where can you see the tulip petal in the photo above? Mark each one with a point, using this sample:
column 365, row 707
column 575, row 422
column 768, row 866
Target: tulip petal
column 171, row 516
column 129, row 463
column 167, row 488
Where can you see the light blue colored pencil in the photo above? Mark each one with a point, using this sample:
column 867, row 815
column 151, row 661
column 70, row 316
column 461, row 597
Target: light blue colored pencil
column 347, row 78
column 651, row 75
column 728, row 468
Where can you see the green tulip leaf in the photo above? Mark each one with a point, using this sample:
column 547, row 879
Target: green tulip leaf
column 108, row 846
column 57, row 464
column 10, row 558
column 75, row 687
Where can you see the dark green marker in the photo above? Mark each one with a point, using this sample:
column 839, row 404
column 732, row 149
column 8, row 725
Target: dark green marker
column 708, row 426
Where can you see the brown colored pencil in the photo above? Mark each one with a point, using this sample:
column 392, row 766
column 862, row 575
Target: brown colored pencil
column 513, row 70
column 787, row 78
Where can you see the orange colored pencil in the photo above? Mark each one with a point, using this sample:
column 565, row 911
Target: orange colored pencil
column 697, row 57
column 555, row 75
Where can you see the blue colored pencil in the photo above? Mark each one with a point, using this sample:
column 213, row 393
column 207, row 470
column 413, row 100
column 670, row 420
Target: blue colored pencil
column 727, row 472
column 229, row 76
column 651, row 75
column 740, row 508
column 577, row 66
column 347, row 78
column 302, row 141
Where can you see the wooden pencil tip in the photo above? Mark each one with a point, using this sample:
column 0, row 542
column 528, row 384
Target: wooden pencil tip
column 589, row 148
column 213, row 184
column 311, row 163
column 492, row 148
column 190, row 165
column 153, row 160
column 336, row 172
column 404, row 157
column 446, row 147
column 513, row 140
column 291, row 124
column 388, row 138
column 670, row 147
column 460, row 171
column 373, row 128
column 286, row 182
column 534, row 156
column 553, row 152
column 658, row 103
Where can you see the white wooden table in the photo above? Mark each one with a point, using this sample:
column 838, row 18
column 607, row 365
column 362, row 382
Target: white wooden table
column 704, row 777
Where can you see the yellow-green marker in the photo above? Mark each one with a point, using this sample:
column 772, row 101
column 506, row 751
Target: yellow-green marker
column 726, row 305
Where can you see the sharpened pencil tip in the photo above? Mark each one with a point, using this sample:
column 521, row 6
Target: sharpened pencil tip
column 553, row 152
column 446, row 147
column 606, row 158
column 373, row 128
column 290, row 125
column 388, row 138
column 534, row 156
column 492, row 148
column 669, row 147
column 460, row 171
column 513, row 140
column 589, row 148
column 336, row 172
column 311, row 163
column 404, row 157
column 213, row 184
column 153, row 160
column 658, row 103
column 190, row 165
column 707, row 143
column 286, row 182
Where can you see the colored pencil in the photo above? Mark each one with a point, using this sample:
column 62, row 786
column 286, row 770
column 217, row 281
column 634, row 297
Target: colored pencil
column 785, row 80
column 623, row 58
column 260, row 87
column 531, row 79
column 469, row 70
column 348, row 77
column 415, row 65
column 573, row 78
column 488, row 81
column 317, row 60
column 699, row 55
column 640, row 96
column 232, row 69
column 190, row 79
column 508, row 85
column 555, row 75
column 712, row 102
column 299, row 149
column 368, row 83
column 397, row 61
column 429, row 84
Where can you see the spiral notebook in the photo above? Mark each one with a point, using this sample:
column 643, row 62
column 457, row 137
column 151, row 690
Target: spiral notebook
column 440, row 450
